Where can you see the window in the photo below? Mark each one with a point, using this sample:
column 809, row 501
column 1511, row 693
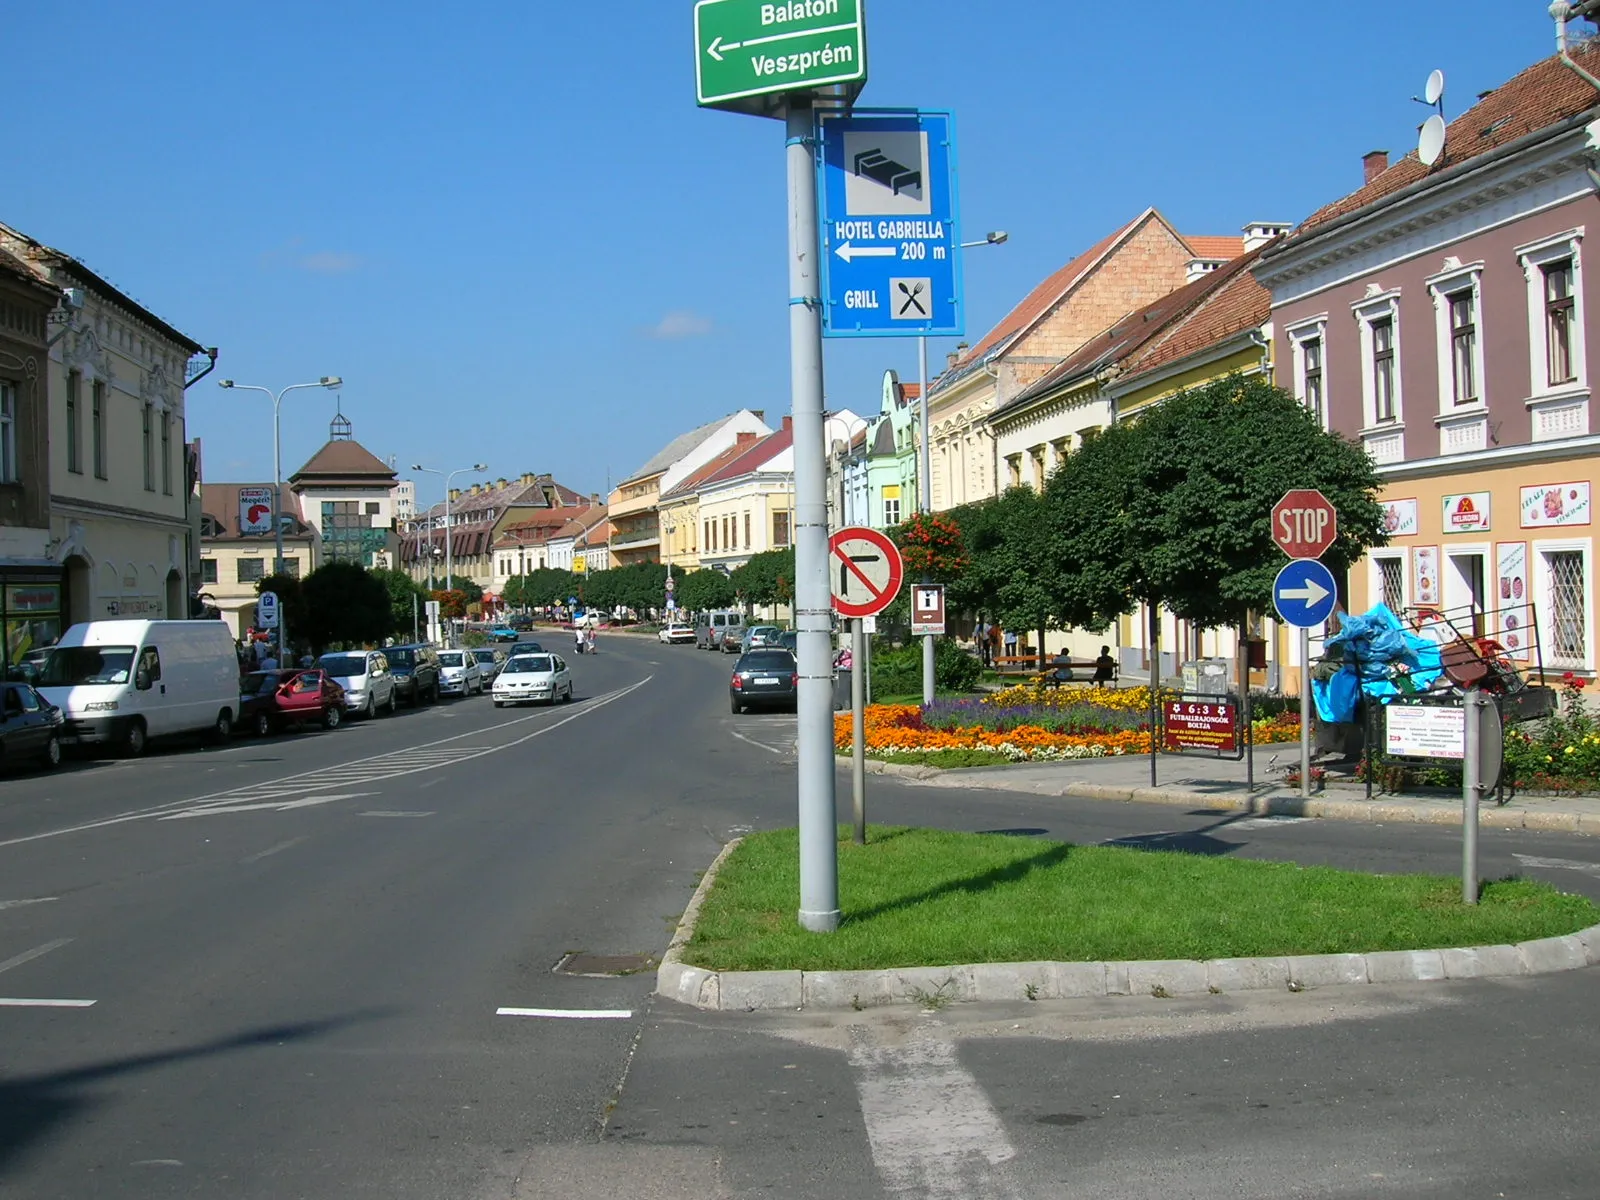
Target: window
column 1568, row 607
column 891, row 513
column 8, row 431
column 251, row 570
column 1037, row 456
column 708, row 535
column 373, row 508
column 1383, row 408
column 208, row 570
column 98, row 432
column 1392, row 582
column 74, row 422
column 291, row 568
column 347, row 536
column 1013, row 470
column 1558, row 315
column 166, row 454
column 1463, row 347
column 747, row 541
column 727, row 533
column 148, row 446
column 780, row 528
column 1312, row 383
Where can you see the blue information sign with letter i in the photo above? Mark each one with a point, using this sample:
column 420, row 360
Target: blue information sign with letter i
column 891, row 264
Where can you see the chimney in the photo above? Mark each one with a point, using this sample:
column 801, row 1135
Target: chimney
column 499, row 484
column 476, row 488
column 527, row 478
column 594, row 498
column 759, row 414
column 743, row 439
column 951, row 359
column 1373, row 164
column 1259, row 233
column 1198, row 267
column 788, row 425
column 455, row 494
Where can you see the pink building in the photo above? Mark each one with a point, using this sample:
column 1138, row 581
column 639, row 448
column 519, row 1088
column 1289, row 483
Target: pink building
column 1438, row 316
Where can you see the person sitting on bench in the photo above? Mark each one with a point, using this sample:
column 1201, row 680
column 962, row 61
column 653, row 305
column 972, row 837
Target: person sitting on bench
column 1060, row 670
column 1105, row 668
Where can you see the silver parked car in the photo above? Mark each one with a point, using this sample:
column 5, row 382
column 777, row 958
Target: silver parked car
column 366, row 678
column 459, row 674
column 527, row 678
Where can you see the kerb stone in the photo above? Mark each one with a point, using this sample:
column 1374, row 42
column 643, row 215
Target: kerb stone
column 1327, row 970
column 746, row 990
column 689, row 985
column 1176, row 977
column 1553, row 954
column 1075, row 980
column 1248, row 974
column 1404, row 966
column 1482, row 962
column 846, row 989
column 1012, row 981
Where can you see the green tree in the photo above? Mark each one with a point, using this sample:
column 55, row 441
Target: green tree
column 403, row 591
column 345, row 604
column 767, row 578
column 705, row 589
column 291, row 606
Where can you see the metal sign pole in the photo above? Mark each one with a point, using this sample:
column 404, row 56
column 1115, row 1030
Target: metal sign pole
column 819, row 851
column 925, row 505
column 858, row 725
column 1471, row 792
column 1305, row 713
column 1155, row 688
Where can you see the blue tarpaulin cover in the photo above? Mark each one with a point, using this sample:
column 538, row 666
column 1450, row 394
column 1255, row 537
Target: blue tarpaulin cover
column 1376, row 646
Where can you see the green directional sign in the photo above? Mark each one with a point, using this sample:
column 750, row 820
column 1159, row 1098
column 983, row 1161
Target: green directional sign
column 751, row 48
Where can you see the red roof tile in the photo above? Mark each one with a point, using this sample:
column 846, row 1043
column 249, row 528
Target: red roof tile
column 1241, row 303
column 1209, row 246
column 1543, row 94
column 753, row 455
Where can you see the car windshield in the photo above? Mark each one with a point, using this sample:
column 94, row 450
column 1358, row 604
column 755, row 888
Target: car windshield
column 401, row 658
column 451, row 658
column 262, row 683
column 483, row 656
column 344, row 665
column 767, row 660
column 530, row 664
column 69, row 666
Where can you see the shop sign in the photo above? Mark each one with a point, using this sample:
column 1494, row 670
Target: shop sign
column 1466, row 513
column 1555, row 504
column 33, row 598
column 255, row 510
column 1516, row 619
column 1400, row 518
column 1425, row 574
column 1425, row 731
column 1210, row 725
column 134, row 606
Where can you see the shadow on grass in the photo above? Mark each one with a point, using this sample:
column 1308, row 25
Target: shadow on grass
column 974, row 885
column 32, row 1107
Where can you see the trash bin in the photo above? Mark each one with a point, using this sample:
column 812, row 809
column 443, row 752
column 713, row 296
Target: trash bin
column 841, row 689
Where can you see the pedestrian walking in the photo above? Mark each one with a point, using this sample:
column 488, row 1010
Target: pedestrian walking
column 590, row 646
column 980, row 638
column 1011, row 643
column 577, row 633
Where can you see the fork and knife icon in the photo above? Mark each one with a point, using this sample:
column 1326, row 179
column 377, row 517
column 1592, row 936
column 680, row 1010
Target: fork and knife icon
column 911, row 293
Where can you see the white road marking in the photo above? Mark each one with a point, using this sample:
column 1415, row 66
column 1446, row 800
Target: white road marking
column 21, row 1002
column 1558, row 864
column 933, row 1133
column 278, row 849
column 380, row 767
column 27, row 956
column 1264, row 822
column 571, row 1014
column 759, row 745
column 380, row 812
column 206, row 810
column 23, row 903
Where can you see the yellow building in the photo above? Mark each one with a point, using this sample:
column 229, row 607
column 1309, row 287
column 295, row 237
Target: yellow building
column 237, row 546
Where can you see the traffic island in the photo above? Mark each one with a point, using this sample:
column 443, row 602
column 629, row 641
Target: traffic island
column 933, row 917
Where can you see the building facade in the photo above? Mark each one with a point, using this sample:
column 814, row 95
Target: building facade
column 237, row 547
column 1439, row 317
column 347, row 494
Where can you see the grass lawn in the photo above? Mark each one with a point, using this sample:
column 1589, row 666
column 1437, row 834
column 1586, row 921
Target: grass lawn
column 924, row 897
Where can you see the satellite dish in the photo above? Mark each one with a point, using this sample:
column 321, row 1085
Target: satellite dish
column 1433, row 91
column 1430, row 144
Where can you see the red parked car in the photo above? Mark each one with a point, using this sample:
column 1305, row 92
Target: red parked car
column 272, row 700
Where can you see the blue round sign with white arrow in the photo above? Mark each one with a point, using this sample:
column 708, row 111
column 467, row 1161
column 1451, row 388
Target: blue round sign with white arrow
column 1305, row 593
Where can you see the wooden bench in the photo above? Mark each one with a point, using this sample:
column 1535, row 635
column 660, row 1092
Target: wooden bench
column 1077, row 671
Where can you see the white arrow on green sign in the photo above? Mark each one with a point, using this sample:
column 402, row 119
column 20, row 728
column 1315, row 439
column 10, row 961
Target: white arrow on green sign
column 748, row 48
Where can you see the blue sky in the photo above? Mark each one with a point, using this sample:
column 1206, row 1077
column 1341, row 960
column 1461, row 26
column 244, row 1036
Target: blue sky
column 512, row 232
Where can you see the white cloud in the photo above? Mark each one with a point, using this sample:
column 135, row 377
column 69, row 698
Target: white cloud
column 681, row 323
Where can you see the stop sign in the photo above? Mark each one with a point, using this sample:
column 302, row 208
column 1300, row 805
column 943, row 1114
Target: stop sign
column 1304, row 524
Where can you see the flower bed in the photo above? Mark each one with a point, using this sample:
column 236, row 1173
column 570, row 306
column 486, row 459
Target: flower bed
column 1560, row 753
column 1024, row 724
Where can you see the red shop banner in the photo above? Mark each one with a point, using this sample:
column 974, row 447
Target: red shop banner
column 1209, row 726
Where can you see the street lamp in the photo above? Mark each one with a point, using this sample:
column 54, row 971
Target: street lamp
column 327, row 381
column 449, row 538
column 925, row 485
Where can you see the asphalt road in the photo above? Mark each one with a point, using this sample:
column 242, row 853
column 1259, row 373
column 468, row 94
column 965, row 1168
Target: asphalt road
column 297, row 950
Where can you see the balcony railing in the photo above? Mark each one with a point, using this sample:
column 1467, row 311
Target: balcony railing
column 635, row 537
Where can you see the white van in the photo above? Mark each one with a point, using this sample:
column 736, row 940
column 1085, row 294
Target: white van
column 124, row 682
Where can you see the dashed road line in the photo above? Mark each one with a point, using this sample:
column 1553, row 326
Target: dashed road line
column 24, row 1002
column 278, row 849
column 27, row 956
column 5, row 904
column 1558, row 864
column 368, row 770
column 568, row 1014
column 382, row 812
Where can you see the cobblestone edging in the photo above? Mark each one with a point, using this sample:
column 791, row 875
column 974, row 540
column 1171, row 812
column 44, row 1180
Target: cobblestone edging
column 1391, row 812
column 745, row 991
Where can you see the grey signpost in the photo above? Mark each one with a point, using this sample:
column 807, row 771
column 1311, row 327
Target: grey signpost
column 773, row 59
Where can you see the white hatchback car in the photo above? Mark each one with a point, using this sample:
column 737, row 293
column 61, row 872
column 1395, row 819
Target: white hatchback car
column 676, row 633
column 459, row 673
column 529, row 677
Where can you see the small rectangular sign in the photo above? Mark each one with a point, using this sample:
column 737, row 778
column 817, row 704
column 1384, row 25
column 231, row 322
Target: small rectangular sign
column 255, row 510
column 927, row 609
column 1425, row 731
column 1400, row 518
column 745, row 49
column 1516, row 631
column 1210, row 726
column 1555, row 504
column 1466, row 513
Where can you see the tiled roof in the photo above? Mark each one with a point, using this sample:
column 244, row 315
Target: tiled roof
column 220, row 502
column 345, row 459
column 1542, row 95
column 679, row 447
column 523, row 492
column 1241, row 303
column 1135, row 331
column 691, row 484
column 911, row 391
column 11, row 265
column 548, row 524
column 1055, row 289
column 41, row 259
column 760, row 451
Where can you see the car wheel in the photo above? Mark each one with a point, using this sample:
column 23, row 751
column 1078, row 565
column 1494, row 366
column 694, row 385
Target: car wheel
column 262, row 725
column 52, row 752
column 370, row 708
column 394, row 702
column 330, row 718
column 223, row 729
column 499, row 703
column 134, row 738
column 735, row 705
column 569, row 694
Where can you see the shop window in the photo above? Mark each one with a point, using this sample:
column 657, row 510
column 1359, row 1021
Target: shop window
column 1392, row 582
column 1566, row 603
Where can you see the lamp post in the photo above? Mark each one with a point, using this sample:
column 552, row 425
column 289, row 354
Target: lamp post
column 449, row 537
column 925, row 484
column 327, row 381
